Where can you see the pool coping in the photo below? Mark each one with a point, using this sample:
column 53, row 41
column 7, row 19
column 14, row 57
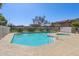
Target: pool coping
column 50, row 49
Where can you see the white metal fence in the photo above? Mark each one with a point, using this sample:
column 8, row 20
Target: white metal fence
column 3, row 31
column 66, row 29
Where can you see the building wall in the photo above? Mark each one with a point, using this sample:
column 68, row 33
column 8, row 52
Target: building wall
column 3, row 31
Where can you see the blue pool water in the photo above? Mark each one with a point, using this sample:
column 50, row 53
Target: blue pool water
column 32, row 39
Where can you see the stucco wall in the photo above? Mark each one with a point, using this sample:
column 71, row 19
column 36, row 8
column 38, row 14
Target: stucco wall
column 3, row 31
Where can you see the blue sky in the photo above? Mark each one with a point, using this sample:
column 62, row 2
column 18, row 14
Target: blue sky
column 23, row 13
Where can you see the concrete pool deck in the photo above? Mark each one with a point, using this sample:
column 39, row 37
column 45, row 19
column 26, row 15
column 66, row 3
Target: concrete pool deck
column 65, row 46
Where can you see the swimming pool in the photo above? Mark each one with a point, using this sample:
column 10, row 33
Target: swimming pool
column 32, row 39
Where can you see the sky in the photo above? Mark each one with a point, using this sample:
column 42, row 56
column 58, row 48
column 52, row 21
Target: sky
column 23, row 13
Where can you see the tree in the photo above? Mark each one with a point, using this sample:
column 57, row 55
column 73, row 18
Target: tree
column 40, row 20
column 3, row 21
column 75, row 24
column 19, row 30
column 0, row 5
column 56, row 24
column 12, row 27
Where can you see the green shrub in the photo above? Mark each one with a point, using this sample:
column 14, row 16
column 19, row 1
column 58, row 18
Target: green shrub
column 19, row 30
column 31, row 29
